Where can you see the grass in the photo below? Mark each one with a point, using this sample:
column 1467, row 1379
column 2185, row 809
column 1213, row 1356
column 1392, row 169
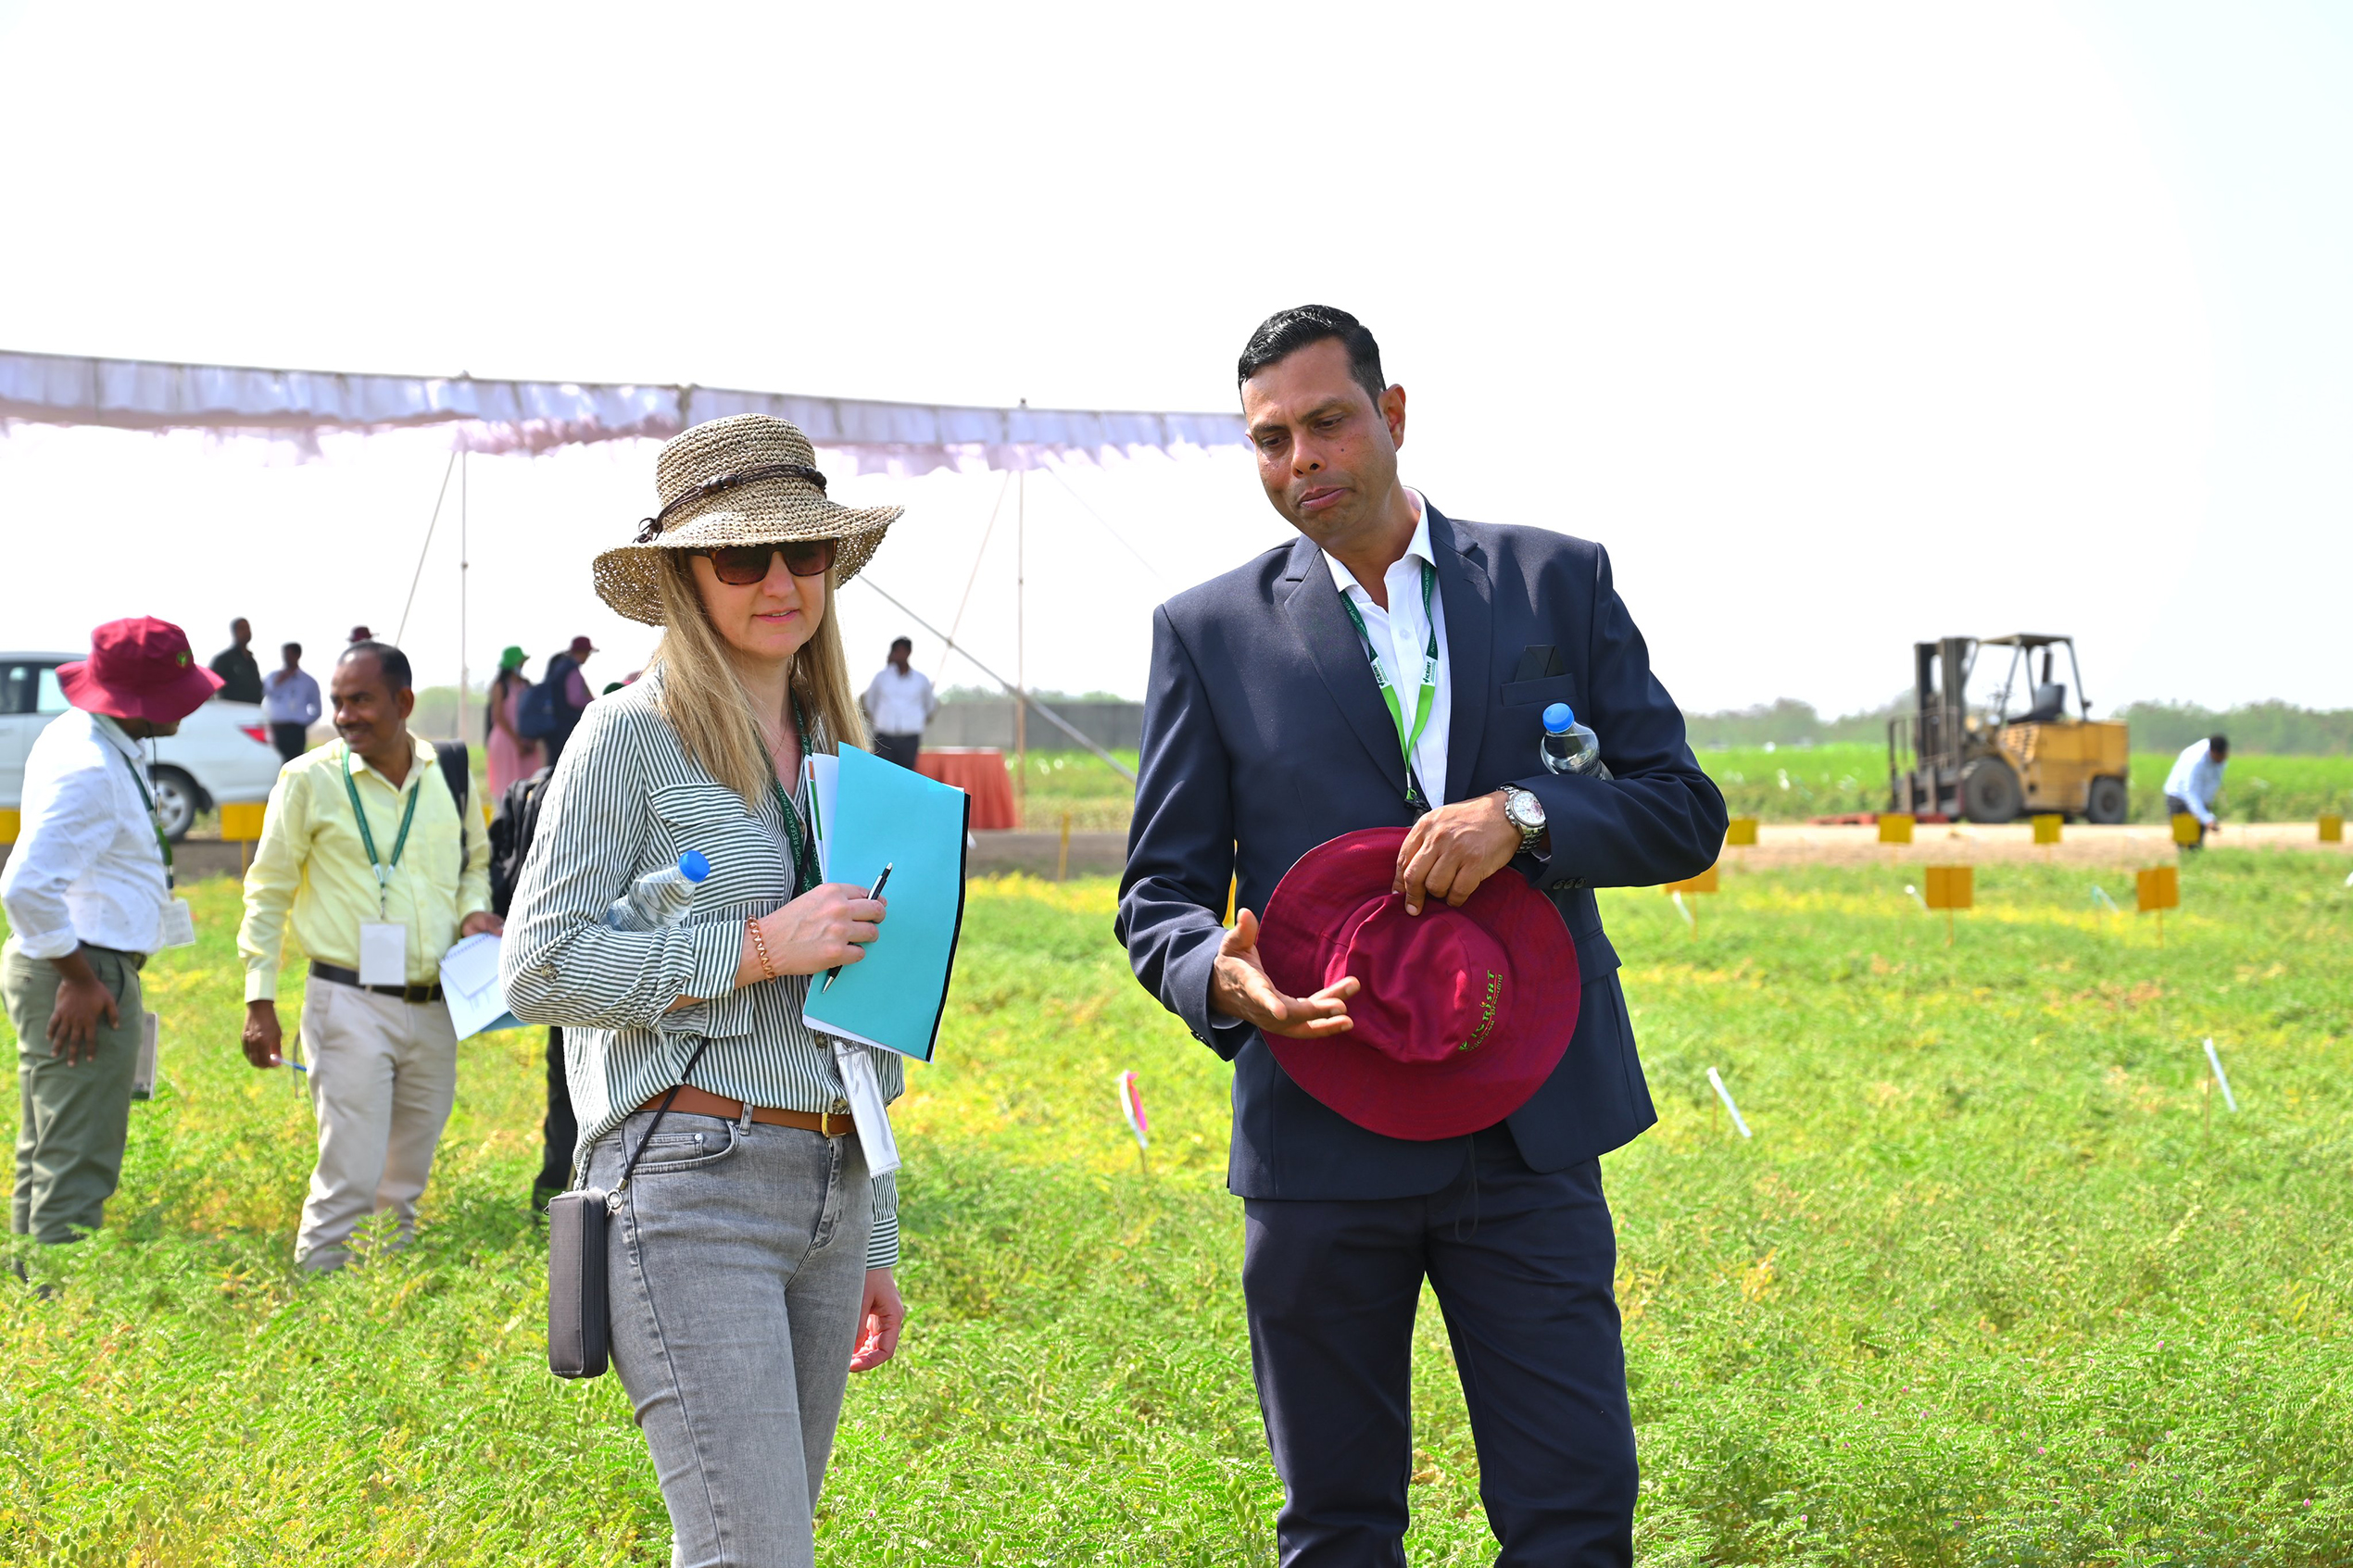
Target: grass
column 1994, row 1284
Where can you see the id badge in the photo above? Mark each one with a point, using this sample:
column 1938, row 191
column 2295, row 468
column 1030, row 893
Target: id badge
column 142, row 1076
column 179, row 926
column 856, row 1065
column 384, row 954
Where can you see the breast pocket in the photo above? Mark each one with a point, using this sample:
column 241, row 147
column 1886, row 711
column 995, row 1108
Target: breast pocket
column 1547, row 690
column 745, row 866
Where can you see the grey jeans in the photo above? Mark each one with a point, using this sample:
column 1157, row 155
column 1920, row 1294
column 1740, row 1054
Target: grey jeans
column 738, row 1266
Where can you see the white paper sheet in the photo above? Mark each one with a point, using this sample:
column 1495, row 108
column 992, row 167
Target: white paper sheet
column 470, row 982
column 866, row 1108
column 143, row 1074
column 384, row 954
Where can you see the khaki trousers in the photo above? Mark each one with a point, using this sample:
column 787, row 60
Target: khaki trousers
column 72, row 1120
column 383, row 1074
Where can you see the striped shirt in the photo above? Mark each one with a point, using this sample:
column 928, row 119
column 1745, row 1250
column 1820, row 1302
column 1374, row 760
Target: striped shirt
column 624, row 800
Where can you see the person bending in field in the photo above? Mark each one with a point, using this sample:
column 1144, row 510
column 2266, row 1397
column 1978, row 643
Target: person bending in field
column 2196, row 784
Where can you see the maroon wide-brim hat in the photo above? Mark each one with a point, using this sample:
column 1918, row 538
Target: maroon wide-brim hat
column 1462, row 1014
column 138, row 668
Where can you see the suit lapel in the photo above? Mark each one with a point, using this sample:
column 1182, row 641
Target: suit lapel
column 1469, row 597
column 1312, row 606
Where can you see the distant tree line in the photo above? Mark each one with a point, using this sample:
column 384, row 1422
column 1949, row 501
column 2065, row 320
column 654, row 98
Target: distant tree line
column 2256, row 728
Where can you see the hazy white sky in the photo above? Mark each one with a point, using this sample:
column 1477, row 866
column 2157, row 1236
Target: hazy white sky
column 1841, row 326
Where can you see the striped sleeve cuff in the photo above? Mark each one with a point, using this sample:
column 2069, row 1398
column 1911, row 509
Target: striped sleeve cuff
column 882, row 1242
column 716, row 951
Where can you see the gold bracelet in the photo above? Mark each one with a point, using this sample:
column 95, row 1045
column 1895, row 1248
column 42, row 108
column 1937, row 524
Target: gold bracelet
column 760, row 945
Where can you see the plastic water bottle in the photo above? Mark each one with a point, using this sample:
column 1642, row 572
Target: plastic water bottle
column 1568, row 747
column 662, row 898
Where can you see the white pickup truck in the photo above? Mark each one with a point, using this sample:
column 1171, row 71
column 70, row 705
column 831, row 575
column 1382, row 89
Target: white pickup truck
column 221, row 756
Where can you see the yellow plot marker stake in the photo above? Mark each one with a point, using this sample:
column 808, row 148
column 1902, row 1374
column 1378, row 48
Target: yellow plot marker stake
column 2158, row 888
column 1895, row 827
column 2047, row 832
column 1062, row 864
column 2332, row 828
column 243, row 824
column 1704, row 883
column 1741, row 834
column 1950, row 888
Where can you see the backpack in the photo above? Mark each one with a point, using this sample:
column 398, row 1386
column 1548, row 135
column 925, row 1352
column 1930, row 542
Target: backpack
column 541, row 712
column 456, row 771
column 511, row 833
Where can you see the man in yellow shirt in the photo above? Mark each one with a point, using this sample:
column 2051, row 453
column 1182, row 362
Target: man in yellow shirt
column 365, row 848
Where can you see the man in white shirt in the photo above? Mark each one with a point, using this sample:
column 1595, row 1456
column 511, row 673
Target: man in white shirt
column 290, row 702
column 88, row 891
column 899, row 703
column 2195, row 782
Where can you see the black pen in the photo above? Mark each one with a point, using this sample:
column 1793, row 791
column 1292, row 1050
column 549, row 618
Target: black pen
column 873, row 892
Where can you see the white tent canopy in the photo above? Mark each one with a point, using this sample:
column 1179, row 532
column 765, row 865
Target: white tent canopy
column 519, row 415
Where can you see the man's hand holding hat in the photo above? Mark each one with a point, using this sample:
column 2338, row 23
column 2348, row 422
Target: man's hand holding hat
column 1238, row 988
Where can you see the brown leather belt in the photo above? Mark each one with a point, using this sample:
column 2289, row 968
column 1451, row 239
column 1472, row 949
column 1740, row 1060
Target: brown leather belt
column 701, row 1102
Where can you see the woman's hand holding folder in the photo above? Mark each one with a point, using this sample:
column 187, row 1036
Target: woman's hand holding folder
column 825, row 927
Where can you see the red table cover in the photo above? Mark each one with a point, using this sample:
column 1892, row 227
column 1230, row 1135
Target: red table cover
column 979, row 773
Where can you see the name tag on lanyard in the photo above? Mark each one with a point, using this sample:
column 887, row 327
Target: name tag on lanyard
column 384, row 944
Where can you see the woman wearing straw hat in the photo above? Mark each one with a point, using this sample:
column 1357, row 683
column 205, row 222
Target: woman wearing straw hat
column 511, row 756
column 751, row 1257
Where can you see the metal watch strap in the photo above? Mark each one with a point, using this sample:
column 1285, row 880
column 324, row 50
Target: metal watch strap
column 1529, row 833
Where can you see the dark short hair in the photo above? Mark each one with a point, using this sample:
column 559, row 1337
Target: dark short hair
column 2217, row 743
column 906, row 643
column 389, row 659
column 1287, row 332
column 294, row 648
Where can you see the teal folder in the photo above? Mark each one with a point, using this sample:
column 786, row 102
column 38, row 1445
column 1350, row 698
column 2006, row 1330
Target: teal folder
column 885, row 815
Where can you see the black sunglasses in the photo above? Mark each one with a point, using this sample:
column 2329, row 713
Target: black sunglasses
column 739, row 566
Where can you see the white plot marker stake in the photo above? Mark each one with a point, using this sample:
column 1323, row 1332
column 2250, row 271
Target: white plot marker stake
column 1916, row 897
column 2221, row 1078
column 1726, row 1096
column 1684, row 910
column 2100, row 897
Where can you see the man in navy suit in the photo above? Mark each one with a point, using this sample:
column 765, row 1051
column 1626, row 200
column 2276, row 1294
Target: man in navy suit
column 1390, row 668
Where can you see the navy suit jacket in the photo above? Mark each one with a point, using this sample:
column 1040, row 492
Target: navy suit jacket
column 1264, row 736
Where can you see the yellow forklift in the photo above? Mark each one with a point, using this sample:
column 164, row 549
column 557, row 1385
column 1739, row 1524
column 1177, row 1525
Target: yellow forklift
column 1994, row 765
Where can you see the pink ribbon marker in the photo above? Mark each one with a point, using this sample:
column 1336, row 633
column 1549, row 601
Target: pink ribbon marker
column 1131, row 1107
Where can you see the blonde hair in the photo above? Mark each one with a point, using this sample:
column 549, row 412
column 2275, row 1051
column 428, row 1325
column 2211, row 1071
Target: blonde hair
column 707, row 705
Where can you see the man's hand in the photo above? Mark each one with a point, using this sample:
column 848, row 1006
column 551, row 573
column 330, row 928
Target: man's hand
column 82, row 999
column 479, row 921
column 879, row 1319
column 1452, row 849
column 1238, row 988
column 262, row 1036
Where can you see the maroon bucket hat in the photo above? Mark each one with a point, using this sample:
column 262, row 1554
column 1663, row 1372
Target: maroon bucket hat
column 138, row 668
column 1462, row 1013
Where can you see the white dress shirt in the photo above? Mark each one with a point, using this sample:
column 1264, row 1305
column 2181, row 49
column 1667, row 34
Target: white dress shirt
column 86, row 866
column 899, row 705
column 1401, row 636
column 2197, row 779
column 289, row 697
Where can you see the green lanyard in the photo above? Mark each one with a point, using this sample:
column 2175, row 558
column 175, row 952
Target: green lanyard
column 1389, row 692
column 804, row 850
column 384, row 872
column 163, row 842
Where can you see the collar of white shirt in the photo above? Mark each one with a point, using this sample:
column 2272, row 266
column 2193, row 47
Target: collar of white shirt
column 1418, row 548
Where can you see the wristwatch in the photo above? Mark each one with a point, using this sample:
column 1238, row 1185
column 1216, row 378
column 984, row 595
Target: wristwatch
column 1524, row 811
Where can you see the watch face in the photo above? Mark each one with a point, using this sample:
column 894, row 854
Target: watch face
column 1524, row 810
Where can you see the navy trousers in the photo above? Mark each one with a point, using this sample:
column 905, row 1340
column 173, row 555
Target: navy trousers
column 1523, row 1265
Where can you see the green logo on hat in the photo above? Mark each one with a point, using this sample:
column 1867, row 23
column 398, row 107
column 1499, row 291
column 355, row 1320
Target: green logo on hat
column 183, row 657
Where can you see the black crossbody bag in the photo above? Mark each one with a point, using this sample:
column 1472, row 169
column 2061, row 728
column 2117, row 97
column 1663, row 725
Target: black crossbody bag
column 579, row 1229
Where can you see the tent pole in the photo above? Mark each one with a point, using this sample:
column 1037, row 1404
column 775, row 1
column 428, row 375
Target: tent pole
column 458, row 723
column 1021, row 647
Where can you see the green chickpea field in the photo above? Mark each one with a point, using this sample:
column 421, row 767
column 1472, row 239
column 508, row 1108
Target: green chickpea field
column 2000, row 1279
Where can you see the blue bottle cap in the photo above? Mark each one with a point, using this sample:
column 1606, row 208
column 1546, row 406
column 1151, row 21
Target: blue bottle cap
column 693, row 866
column 1558, row 719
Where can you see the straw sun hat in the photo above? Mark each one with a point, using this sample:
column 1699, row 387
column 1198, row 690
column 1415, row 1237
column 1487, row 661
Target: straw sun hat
column 750, row 479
